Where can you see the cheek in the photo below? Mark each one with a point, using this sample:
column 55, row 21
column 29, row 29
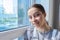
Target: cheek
column 39, row 18
column 42, row 20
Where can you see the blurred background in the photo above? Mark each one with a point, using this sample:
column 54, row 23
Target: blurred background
column 13, row 13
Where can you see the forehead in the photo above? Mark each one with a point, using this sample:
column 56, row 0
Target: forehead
column 32, row 10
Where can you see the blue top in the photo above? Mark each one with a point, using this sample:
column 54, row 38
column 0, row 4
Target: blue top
column 33, row 34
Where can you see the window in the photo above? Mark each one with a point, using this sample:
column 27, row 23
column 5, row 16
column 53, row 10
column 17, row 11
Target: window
column 13, row 13
column 8, row 14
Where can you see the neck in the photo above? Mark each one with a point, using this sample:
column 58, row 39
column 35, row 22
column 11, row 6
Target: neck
column 44, row 28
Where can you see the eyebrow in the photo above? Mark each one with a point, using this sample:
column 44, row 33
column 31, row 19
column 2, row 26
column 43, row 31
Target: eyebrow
column 37, row 12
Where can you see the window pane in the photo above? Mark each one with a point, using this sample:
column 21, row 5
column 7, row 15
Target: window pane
column 23, row 6
column 8, row 14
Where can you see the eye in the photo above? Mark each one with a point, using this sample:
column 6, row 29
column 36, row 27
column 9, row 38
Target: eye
column 30, row 17
column 37, row 14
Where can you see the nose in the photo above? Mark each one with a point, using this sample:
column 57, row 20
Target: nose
column 33, row 19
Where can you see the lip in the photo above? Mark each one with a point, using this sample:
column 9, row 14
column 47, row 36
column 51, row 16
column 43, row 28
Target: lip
column 35, row 23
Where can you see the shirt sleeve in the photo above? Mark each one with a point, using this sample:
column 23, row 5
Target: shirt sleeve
column 58, row 36
column 25, row 36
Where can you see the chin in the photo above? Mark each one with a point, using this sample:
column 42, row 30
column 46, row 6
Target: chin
column 36, row 25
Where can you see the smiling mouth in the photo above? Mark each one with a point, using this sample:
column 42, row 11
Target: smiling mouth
column 36, row 23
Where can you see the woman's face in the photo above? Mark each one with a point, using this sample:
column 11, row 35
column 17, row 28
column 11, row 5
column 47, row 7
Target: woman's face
column 36, row 17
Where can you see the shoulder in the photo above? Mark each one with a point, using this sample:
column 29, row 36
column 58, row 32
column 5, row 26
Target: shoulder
column 56, row 32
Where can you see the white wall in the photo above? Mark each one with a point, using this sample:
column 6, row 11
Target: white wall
column 51, row 12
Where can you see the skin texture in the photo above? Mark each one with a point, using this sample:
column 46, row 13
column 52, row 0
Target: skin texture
column 37, row 18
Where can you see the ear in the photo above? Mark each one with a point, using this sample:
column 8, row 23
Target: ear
column 44, row 14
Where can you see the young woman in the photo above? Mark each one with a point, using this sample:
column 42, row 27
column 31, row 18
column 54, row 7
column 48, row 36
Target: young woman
column 41, row 30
